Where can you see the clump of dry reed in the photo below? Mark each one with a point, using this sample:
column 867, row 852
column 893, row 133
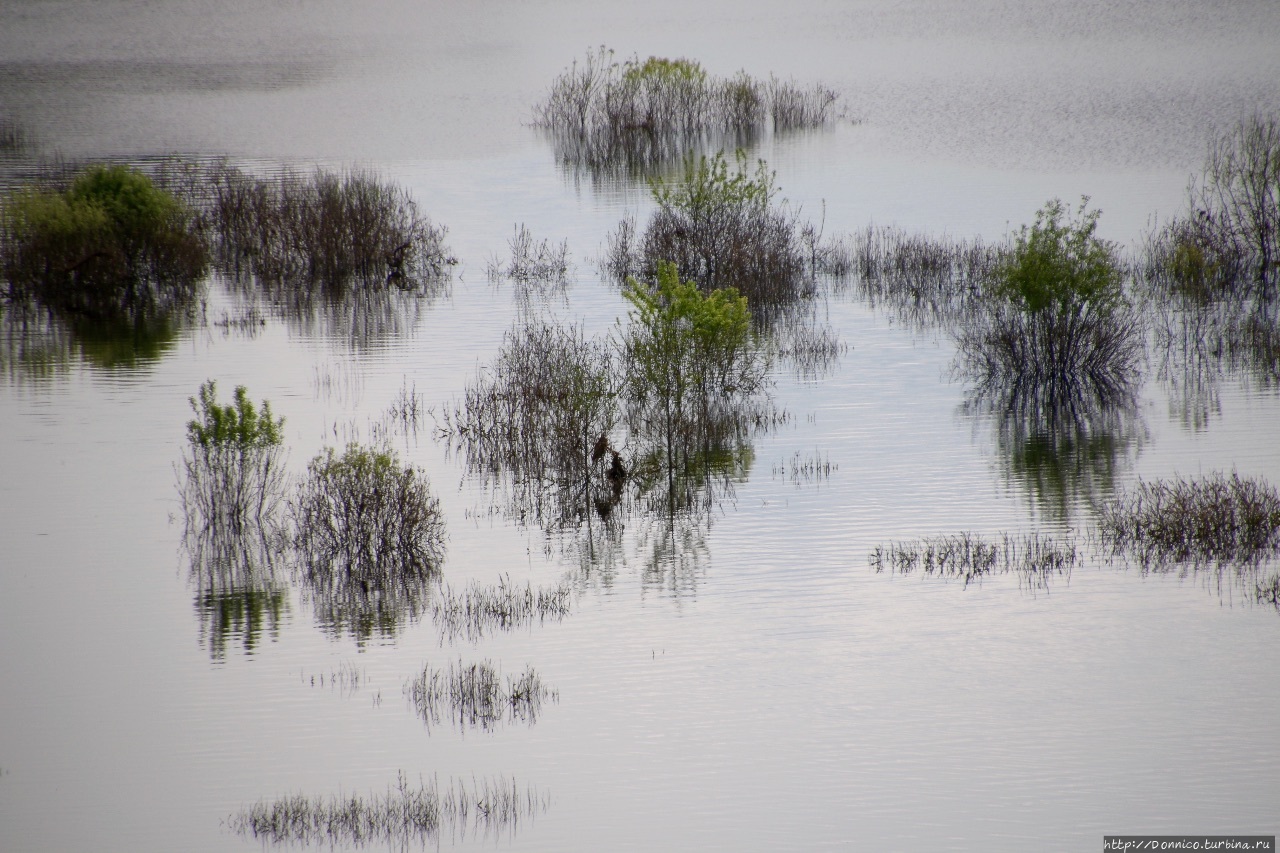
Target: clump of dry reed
column 402, row 815
column 531, row 261
column 803, row 469
column 327, row 229
column 539, row 420
column 634, row 116
column 1216, row 520
column 925, row 282
column 482, row 608
column 1034, row 557
column 476, row 696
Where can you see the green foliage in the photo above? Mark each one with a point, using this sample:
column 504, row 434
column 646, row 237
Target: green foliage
column 707, row 188
column 1060, row 264
column 238, row 425
column 234, row 469
column 693, row 366
column 657, row 70
column 685, row 334
column 137, row 210
column 110, row 245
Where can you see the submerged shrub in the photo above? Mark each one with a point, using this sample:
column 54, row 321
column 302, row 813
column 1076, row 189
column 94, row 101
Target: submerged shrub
column 106, row 244
column 369, row 537
column 721, row 228
column 1236, row 203
column 634, row 116
column 693, row 371
column 328, row 229
column 1057, row 329
column 541, row 418
column 1215, row 519
column 234, row 465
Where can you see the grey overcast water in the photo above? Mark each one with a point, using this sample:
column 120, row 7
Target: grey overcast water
column 764, row 689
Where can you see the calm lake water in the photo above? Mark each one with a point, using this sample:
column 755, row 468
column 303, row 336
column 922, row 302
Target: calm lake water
column 765, row 689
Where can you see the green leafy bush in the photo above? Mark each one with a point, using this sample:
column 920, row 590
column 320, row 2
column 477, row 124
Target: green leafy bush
column 369, row 536
column 721, row 227
column 233, row 465
column 1060, row 264
column 693, row 368
column 108, row 245
column 1054, row 332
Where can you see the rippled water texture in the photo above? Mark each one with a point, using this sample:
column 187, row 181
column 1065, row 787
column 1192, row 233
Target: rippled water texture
column 764, row 688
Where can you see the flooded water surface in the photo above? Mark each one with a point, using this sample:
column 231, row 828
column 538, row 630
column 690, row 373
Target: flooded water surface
column 575, row 657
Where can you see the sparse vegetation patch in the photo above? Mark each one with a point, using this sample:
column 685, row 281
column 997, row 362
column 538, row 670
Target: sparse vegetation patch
column 482, row 608
column 404, row 814
column 1034, row 557
column 476, row 696
column 1218, row 520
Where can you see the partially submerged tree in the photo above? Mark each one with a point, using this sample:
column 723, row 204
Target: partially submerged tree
column 1057, row 333
column 1228, row 243
column 693, row 372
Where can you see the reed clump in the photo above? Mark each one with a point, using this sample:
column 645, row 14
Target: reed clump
column 101, row 243
column 969, row 557
column 369, row 537
column 721, row 227
column 925, row 282
column 403, row 814
column 483, row 608
column 476, row 695
column 1222, row 520
column 328, row 229
column 633, row 116
column 531, row 261
column 1056, row 328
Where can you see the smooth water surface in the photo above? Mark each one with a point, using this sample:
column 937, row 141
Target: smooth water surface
column 763, row 690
